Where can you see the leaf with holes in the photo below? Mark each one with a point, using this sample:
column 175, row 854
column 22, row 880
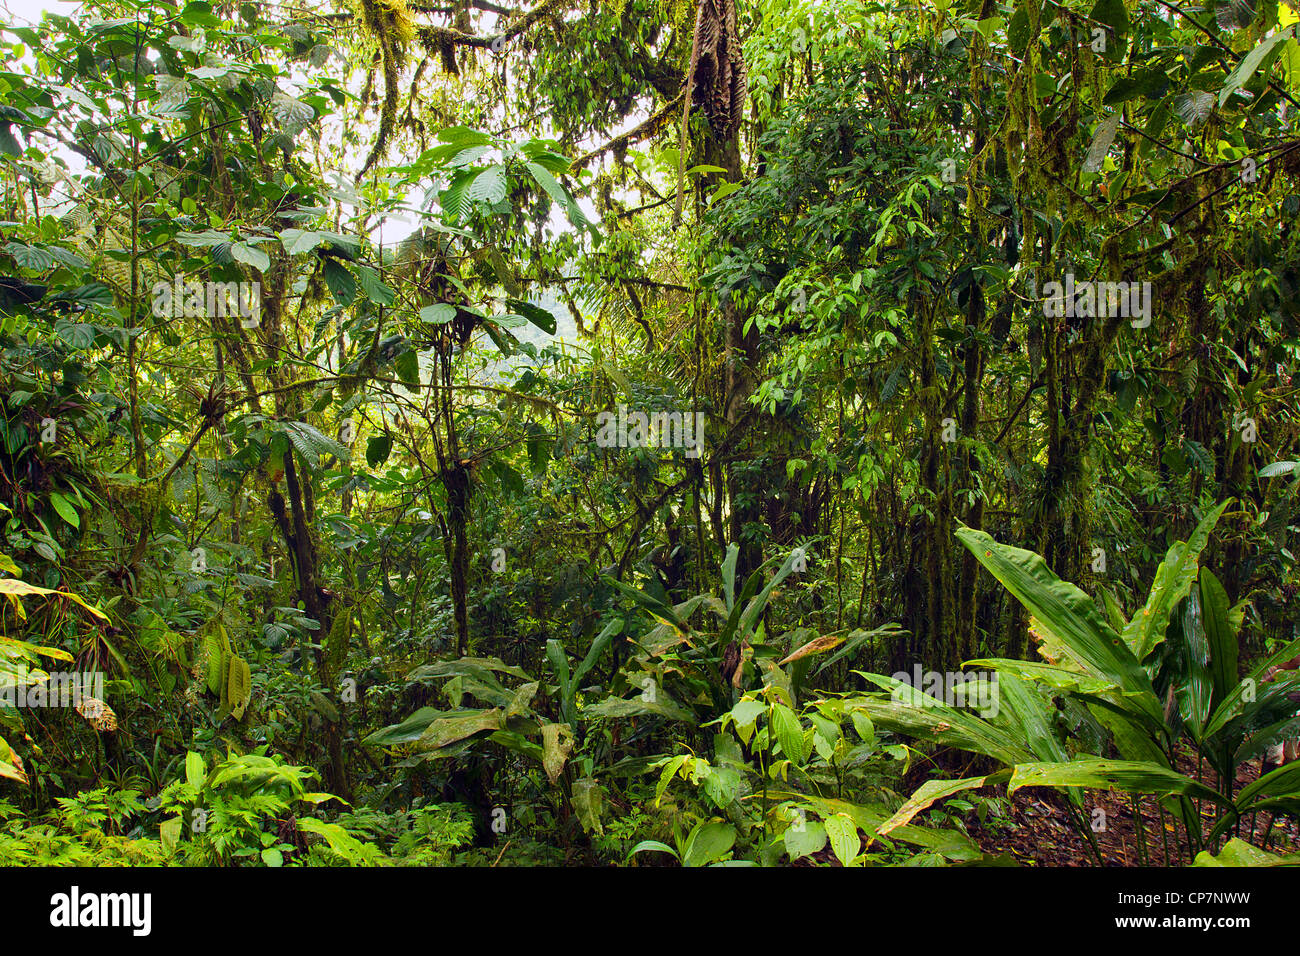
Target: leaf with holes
column 843, row 835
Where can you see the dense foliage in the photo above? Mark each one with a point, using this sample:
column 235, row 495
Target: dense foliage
column 474, row 434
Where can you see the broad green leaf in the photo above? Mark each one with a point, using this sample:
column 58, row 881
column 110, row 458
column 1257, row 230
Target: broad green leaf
column 557, row 744
column 661, row 706
column 1237, row 852
column 652, row 846
column 488, row 186
column 1129, row 776
column 708, row 843
column 1102, row 139
column 912, row 712
column 29, row 257
column 588, row 801
column 1066, row 620
column 542, row 318
column 548, row 183
column 1220, row 636
column 728, row 570
column 1235, row 702
column 13, row 589
column 250, row 255
column 598, row 647
column 1194, row 107
column 1113, row 14
column 789, row 732
column 65, row 509
column 457, row 725
column 378, row 448
column 439, row 313
column 11, row 765
column 1174, row 578
column 843, row 835
column 169, row 833
column 195, row 771
column 804, row 838
column 1240, row 76
column 408, row 731
column 376, row 291
column 1279, row 468
column 298, row 241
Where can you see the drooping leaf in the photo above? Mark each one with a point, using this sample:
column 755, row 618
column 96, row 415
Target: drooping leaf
column 1128, row 776
column 1173, row 579
column 1102, row 139
column 1240, row 76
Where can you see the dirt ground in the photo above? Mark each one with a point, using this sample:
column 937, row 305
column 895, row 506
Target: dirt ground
column 1043, row 836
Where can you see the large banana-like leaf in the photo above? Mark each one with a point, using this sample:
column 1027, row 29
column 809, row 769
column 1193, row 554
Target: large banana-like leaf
column 560, row 668
column 1067, row 621
column 1282, row 782
column 480, row 668
column 1288, row 728
column 729, row 575
column 1220, row 636
column 1174, row 578
column 27, row 649
column 913, row 712
column 1130, row 776
column 1235, row 702
column 1195, row 691
column 749, row 617
column 1132, row 738
column 657, row 608
column 661, row 705
column 1029, row 717
column 458, row 725
column 407, row 732
column 1053, row 675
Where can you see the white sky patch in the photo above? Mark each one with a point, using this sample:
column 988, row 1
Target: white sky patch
column 28, row 12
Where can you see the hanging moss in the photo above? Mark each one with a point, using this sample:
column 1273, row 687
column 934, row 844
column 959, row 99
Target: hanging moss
column 390, row 23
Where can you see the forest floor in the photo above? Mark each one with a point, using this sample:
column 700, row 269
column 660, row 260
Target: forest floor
column 1040, row 832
